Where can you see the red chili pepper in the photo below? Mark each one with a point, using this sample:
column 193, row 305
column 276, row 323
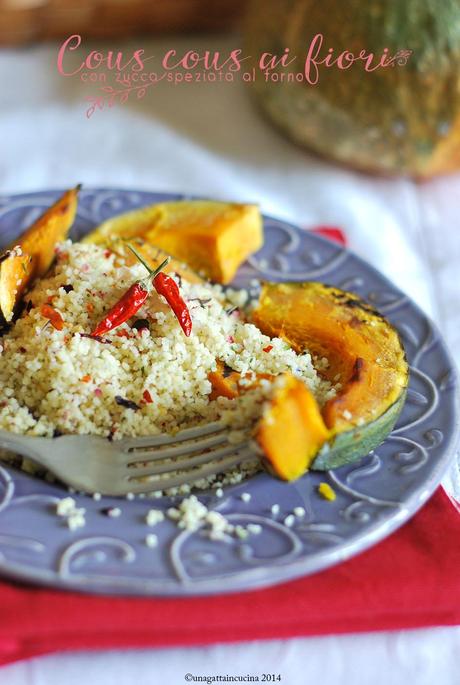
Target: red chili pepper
column 268, row 348
column 167, row 286
column 124, row 309
column 53, row 316
column 128, row 305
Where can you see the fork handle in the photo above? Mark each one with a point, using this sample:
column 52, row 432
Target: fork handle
column 22, row 445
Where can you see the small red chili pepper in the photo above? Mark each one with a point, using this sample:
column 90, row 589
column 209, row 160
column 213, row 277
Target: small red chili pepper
column 53, row 316
column 128, row 304
column 167, row 286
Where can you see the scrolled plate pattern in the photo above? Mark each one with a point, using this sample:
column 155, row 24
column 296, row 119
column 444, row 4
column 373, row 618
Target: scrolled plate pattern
column 374, row 496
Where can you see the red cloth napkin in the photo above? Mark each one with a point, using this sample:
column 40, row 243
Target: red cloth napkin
column 409, row 580
column 334, row 233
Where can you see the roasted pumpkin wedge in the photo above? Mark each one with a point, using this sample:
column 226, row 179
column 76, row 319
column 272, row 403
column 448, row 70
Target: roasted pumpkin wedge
column 212, row 237
column 291, row 431
column 365, row 356
column 21, row 267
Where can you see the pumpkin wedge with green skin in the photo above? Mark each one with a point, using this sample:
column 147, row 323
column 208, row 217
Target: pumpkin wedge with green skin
column 365, row 356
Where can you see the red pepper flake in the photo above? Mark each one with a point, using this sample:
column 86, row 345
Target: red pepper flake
column 98, row 392
column 86, row 379
column 60, row 254
column 53, row 316
column 230, row 339
column 50, row 299
column 268, row 348
column 107, row 253
column 89, row 307
column 147, row 397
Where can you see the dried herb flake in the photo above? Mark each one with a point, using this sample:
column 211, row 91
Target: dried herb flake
column 128, row 404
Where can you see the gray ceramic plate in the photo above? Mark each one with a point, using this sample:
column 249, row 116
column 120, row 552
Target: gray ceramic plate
column 374, row 496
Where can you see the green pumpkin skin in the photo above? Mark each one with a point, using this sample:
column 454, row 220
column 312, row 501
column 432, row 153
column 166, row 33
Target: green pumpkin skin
column 401, row 119
column 348, row 447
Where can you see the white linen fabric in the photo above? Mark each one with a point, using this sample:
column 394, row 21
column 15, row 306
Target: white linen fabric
column 209, row 139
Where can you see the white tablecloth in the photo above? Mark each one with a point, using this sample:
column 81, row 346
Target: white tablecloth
column 209, row 139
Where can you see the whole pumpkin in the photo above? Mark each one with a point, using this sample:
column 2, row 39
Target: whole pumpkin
column 403, row 118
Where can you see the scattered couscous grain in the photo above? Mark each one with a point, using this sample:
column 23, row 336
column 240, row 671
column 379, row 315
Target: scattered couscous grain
column 76, row 519
column 254, row 528
column 151, row 540
column 65, row 506
column 154, row 516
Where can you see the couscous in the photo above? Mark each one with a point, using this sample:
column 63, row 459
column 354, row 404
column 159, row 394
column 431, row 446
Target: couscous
column 143, row 378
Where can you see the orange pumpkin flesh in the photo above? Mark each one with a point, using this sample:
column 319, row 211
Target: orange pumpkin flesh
column 37, row 244
column 213, row 237
column 291, row 430
column 226, row 382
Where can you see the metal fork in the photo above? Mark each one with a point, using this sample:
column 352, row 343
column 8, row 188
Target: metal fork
column 95, row 464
